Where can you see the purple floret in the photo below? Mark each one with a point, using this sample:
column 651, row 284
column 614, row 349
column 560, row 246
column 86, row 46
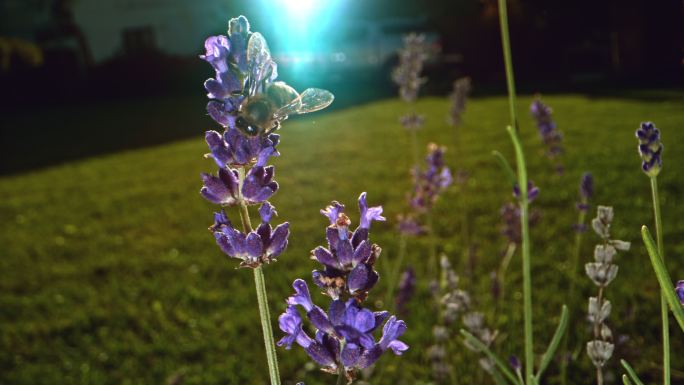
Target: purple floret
column 680, row 291
column 256, row 247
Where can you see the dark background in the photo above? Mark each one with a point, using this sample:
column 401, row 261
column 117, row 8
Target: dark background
column 69, row 105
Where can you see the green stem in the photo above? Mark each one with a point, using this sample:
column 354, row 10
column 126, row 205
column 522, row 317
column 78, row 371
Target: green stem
column 394, row 279
column 414, row 146
column 663, row 303
column 526, row 264
column 571, row 294
column 522, row 185
column 508, row 61
column 434, row 264
column 341, row 377
column 262, row 299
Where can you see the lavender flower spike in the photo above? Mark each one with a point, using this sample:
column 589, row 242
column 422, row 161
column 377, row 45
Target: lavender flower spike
column 680, row 291
column 650, row 149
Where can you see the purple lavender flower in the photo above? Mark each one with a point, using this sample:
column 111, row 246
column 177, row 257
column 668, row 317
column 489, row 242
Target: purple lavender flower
column 344, row 335
column 409, row 225
column 680, row 291
column 349, row 258
column 510, row 215
column 428, row 184
column 650, row 148
column 407, row 286
column 532, row 191
column 586, row 190
column 549, row 133
column 256, row 248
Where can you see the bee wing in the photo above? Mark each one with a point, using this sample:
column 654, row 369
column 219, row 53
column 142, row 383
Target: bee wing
column 312, row 99
column 261, row 66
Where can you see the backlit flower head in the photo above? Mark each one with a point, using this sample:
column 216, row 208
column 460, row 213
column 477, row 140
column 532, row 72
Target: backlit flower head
column 650, row 148
column 349, row 258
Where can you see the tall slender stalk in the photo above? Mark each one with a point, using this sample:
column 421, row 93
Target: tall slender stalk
column 522, row 185
column 663, row 303
column 260, row 284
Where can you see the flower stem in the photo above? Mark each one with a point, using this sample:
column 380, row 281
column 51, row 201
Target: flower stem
column 522, row 185
column 565, row 359
column 433, row 264
column 262, row 299
column 341, row 377
column 394, row 279
column 414, row 146
column 663, row 303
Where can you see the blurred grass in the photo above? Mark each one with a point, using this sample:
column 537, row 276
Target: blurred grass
column 109, row 276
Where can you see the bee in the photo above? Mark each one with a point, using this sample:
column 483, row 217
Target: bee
column 266, row 102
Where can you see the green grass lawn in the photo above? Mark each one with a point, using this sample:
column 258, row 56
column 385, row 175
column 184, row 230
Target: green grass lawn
column 109, row 276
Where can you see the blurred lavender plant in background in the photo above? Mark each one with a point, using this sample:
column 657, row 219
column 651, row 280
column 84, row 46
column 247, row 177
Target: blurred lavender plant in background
column 586, row 190
column 455, row 304
column 407, row 75
column 407, row 288
column 550, row 135
column 458, row 97
column 602, row 272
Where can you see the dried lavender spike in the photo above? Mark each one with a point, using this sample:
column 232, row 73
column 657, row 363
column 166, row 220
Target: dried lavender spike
column 602, row 271
column 407, row 74
column 458, row 97
column 650, row 148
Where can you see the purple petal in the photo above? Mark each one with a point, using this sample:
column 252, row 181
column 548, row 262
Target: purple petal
column 344, row 252
column 267, row 211
column 291, row 323
column 369, row 357
column 336, row 311
column 398, row 347
column 368, row 214
column 224, row 244
column 254, row 246
column 358, row 278
column 333, row 211
column 319, row 353
column 320, row 320
column 350, row 354
column 362, row 252
column 392, row 330
column 325, row 257
column 302, row 296
column 278, row 241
